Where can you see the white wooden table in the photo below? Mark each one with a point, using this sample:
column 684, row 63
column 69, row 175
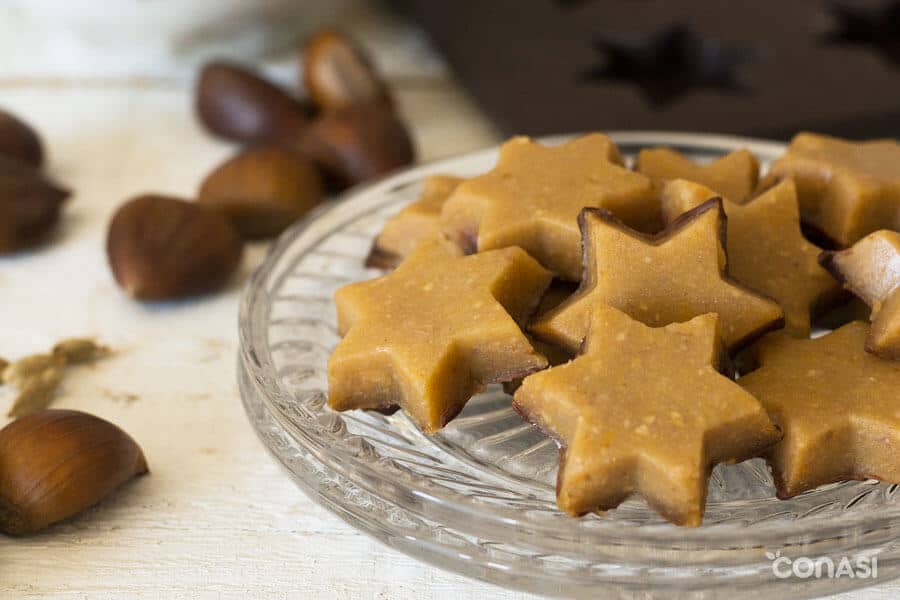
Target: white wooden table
column 216, row 518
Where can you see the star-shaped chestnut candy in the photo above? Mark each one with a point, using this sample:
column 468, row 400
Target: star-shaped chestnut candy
column 433, row 332
column 836, row 404
column 766, row 249
column 644, row 411
column 846, row 189
column 417, row 221
column 669, row 64
column 532, row 198
column 733, row 176
column 673, row 276
column 871, row 270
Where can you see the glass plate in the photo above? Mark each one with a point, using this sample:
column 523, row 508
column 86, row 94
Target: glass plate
column 478, row 498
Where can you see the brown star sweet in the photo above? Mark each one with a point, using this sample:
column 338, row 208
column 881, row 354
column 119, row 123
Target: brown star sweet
column 430, row 334
column 644, row 411
column 836, row 404
column 846, row 189
column 671, row 277
column 871, row 270
column 766, row 249
column 558, row 292
column 733, row 176
column 532, row 198
column 415, row 223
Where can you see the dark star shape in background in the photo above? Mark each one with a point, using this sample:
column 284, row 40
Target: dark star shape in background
column 669, row 63
column 876, row 26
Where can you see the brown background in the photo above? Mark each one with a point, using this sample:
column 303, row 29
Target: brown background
column 522, row 60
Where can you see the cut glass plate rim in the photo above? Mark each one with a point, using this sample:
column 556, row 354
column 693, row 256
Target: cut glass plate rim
column 337, row 451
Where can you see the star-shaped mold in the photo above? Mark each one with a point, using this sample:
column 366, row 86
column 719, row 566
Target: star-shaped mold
column 871, row 270
column 671, row 277
column 532, row 198
column 836, row 404
column 644, row 411
column 433, row 332
column 669, row 64
column 766, row 249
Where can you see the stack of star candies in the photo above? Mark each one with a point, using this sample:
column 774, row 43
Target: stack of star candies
column 682, row 270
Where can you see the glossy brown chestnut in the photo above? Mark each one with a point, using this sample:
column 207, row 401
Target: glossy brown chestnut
column 237, row 104
column 18, row 140
column 30, row 205
column 337, row 73
column 262, row 190
column 357, row 143
column 56, row 463
column 160, row 247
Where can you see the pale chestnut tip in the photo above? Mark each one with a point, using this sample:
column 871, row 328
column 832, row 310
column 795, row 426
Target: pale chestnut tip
column 55, row 464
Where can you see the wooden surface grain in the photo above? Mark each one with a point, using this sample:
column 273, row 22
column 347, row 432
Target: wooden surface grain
column 216, row 518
